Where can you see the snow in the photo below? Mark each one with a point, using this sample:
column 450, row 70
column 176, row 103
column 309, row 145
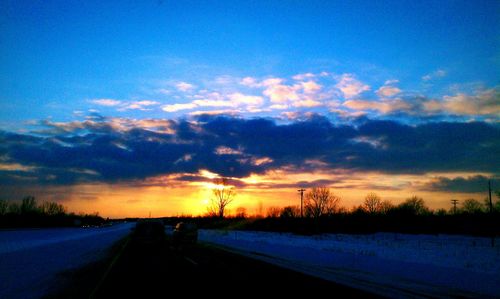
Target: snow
column 31, row 260
column 395, row 265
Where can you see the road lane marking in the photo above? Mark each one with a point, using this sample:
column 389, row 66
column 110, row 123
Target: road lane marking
column 191, row 261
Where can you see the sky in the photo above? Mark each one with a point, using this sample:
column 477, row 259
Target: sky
column 131, row 107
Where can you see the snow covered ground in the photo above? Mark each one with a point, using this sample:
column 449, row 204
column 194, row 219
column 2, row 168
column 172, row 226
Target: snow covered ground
column 396, row 265
column 31, row 259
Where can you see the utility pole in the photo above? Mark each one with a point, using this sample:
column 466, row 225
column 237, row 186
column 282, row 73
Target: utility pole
column 301, row 191
column 489, row 193
column 491, row 214
column 454, row 202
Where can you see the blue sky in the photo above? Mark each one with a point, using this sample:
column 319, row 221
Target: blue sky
column 58, row 56
column 406, row 92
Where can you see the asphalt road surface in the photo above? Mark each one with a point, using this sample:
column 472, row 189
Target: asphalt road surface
column 34, row 262
column 150, row 266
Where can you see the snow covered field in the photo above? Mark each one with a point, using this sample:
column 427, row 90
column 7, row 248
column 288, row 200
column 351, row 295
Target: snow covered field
column 31, row 259
column 390, row 264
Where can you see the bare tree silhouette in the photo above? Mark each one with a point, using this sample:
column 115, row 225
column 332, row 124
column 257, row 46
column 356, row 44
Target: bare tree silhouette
column 290, row 212
column 386, row 206
column 320, row 201
column 472, row 206
column 222, row 195
column 414, row 205
column 241, row 212
column 28, row 205
column 4, row 207
column 372, row 203
column 273, row 212
column 52, row 208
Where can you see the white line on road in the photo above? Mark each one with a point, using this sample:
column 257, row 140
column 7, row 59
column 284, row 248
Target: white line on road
column 191, row 261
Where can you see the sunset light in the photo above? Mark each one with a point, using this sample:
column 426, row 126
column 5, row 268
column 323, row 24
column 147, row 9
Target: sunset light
column 345, row 140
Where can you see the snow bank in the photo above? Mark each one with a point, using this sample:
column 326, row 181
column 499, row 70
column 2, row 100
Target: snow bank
column 385, row 263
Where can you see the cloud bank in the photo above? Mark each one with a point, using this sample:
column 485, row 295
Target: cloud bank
column 103, row 149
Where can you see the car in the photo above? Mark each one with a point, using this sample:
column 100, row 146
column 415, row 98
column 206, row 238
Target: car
column 149, row 231
column 185, row 233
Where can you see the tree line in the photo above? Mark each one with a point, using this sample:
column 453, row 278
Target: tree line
column 29, row 213
column 322, row 202
column 322, row 212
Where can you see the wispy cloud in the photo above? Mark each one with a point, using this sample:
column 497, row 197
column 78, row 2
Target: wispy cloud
column 383, row 106
column 184, row 86
column 126, row 105
column 388, row 89
column 140, row 105
column 279, row 93
column 434, row 75
column 106, row 102
column 249, row 81
column 310, row 86
column 214, row 99
column 343, row 94
column 350, row 86
column 485, row 102
column 178, row 107
column 304, row 76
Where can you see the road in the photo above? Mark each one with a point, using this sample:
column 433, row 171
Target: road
column 34, row 262
column 150, row 266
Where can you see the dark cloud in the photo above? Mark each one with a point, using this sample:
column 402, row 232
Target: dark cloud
column 472, row 184
column 100, row 151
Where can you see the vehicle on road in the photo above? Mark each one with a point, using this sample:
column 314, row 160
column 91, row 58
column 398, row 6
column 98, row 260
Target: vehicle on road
column 185, row 233
column 149, row 231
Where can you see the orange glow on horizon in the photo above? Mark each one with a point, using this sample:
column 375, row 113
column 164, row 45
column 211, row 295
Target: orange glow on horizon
column 167, row 196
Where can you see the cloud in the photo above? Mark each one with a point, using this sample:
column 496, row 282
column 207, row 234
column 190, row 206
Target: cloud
column 125, row 105
column 279, row 107
column 140, row 105
column 279, row 93
column 241, row 99
column 304, row 76
column 214, row 99
column 249, row 81
column 226, row 112
column 271, row 82
column 388, row 89
column 213, row 103
column 307, row 103
column 471, row 184
column 106, row 102
column 384, row 106
column 485, row 102
column 224, row 150
column 184, row 86
column 120, row 149
column 350, row 86
column 310, row 86
column 163, row 91
column 300, row 94
column 436, row 74
column 178, row 107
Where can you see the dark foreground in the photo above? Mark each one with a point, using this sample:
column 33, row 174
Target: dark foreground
column 150, row 266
